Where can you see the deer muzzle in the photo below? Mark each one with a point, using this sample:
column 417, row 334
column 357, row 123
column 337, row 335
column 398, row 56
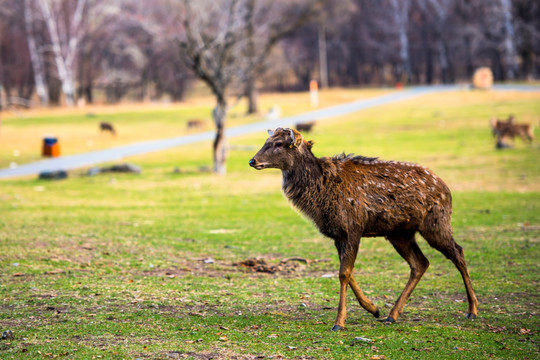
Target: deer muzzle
column 256, row 165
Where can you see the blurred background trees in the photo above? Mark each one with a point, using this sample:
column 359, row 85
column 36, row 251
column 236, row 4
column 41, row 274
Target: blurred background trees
column 69, row 51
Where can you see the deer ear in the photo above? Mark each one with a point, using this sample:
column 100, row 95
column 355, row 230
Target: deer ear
column 270, row 132
column 296, row 139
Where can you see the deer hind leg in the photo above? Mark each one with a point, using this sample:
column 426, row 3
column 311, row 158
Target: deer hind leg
column 362, row 299
column 407, row 247
column 454, row 252
column 528, row 134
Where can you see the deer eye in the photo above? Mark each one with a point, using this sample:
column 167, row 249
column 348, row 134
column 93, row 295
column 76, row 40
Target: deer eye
column 278, row 144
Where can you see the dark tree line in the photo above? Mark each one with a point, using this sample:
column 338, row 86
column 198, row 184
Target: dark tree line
column 70, row 51
column 57, row 51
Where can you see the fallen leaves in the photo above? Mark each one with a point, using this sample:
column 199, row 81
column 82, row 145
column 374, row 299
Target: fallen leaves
column 260, row 265
column 504, row 329
column 51, row 355
column 54, row 272
column 193, row 341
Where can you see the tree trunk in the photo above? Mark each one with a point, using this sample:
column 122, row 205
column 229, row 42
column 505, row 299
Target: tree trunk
column 1, row 79
column 61, row 68
column 404, row 56
column 443, row 60
column 429, row 56
column 35, row 57
column 65, row 61
column 509, row 45
column 250, row 86
column 469, row 67
column 252, row 95
column 220, row 143
column 401, row 20
column 323, row 56
column 88, row 93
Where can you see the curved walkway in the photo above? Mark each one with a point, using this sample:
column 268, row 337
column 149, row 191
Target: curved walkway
column 80, row 160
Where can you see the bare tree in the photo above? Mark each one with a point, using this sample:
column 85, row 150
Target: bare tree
column 527, row 35
column 267, row 23
column 65, row 40
column 509, row 39
column 124, row 46
column 437, row 13
column 16, row 80
column 5, row 12
column 101, row 25
column 493, row 36
column 35, row 54
column 385, row 29
column 331, row 20
column 212, row 47
column 227, row 43
column 400, row 14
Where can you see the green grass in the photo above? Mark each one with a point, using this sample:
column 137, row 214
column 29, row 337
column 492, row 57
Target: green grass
column 113, row 266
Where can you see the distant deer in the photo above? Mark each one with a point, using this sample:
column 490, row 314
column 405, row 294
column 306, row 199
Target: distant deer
column 509, row 129
column 305, row 127
column 195, row 124
column 349, row 197
column 105, row 126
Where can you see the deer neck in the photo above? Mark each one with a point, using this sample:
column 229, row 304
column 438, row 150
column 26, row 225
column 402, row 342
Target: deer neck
column 301, row 178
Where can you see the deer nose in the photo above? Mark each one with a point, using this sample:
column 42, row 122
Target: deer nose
column 252, row 162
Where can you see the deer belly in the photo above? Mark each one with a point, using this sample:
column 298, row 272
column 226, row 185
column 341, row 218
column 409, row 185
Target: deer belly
column 388, row 222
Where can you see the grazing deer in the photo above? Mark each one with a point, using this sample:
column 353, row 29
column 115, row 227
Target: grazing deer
column 105, row 126
column 349, row 197
column 195, row 124
column 509, row 129
column 305, row 127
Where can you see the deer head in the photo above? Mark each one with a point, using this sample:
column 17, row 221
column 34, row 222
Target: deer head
column 279, row 150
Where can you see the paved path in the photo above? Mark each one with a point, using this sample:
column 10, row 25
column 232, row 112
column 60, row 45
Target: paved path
column 117, row 153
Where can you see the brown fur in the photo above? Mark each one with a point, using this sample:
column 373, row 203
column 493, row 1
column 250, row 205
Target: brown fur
column 509, row 129
column 349, row 197
column 105, row 126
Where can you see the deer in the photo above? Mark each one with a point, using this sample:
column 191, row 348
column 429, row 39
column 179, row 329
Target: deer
column 195, row 124
column 105, row 126
column 509, row 129
column 349, row 197
column 305, row 127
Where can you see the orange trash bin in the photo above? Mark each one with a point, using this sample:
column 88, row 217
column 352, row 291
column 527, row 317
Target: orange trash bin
column 51, row 147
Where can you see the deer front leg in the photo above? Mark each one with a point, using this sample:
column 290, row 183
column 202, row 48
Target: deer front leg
column 347, row 251
column 339, row 324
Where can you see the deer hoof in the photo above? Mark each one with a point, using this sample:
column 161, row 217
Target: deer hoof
column 338, row 328
column 389, row 321
column 471, row 316
column 377, row 313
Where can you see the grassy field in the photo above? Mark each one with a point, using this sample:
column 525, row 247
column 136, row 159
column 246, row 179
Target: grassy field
column 154, row 266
